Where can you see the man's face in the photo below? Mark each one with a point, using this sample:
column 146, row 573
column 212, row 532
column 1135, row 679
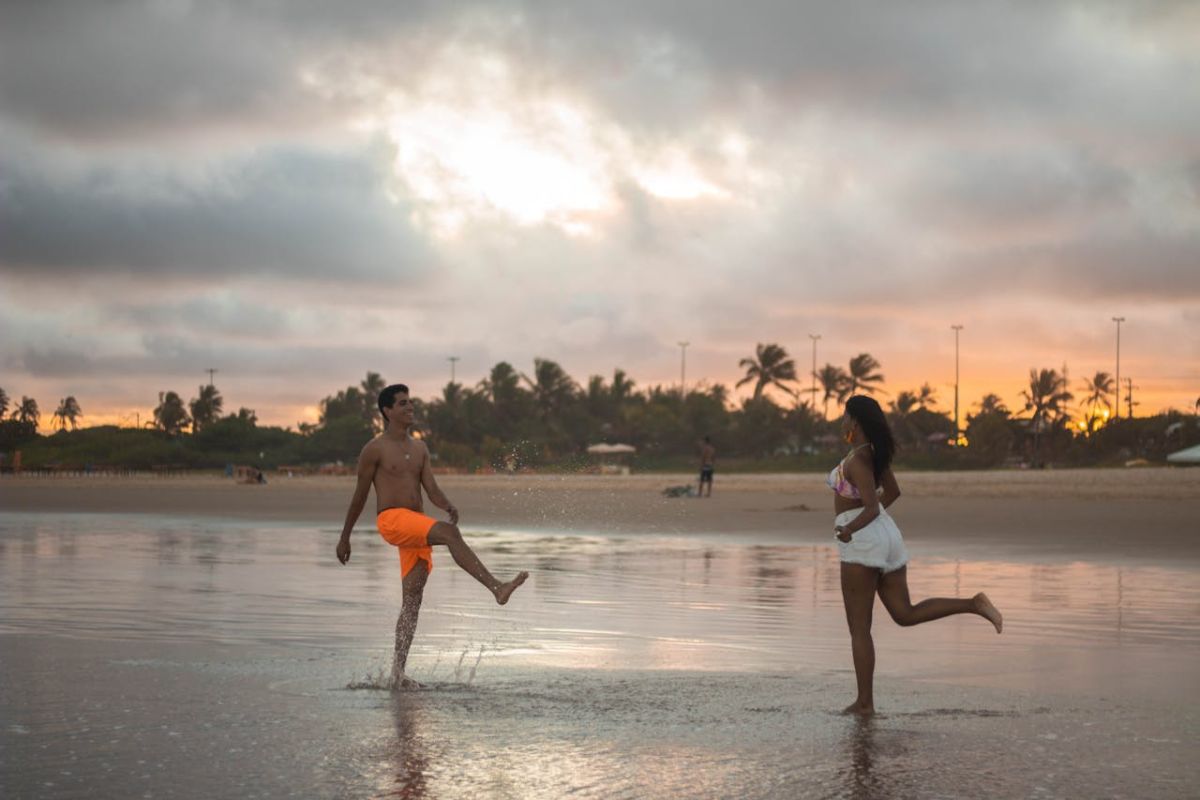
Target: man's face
column 401, row 409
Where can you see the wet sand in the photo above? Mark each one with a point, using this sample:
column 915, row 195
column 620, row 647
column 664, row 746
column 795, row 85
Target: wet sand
column 194, row 638
column 1140, row 514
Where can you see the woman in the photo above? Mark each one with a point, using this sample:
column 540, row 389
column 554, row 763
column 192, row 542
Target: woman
column 872, row 550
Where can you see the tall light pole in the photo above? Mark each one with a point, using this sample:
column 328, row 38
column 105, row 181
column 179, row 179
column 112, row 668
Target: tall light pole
column 956, row 329
column 683, row 346
column 1118, row 320
column 453, row 360
column 210, row 372
column 816, row 337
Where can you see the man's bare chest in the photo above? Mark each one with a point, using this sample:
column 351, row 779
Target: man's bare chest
column 401, row 460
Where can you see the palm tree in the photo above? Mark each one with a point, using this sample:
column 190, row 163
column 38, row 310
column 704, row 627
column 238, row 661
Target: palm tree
column 206, row 409
column 770, row 366
column 863, row 373
column 904, row 403
column 502, row 384
column 372, row 385
column 3, row 403
column 1046, row 397
column 60, row 415
column 926, row 396
column 834, row 382
column 68, row 412
column 27, row 411
column 1098, row 388
column 552, row 387
column 170, row 416
column 74, row 412
column 992, row 404
column 621, row 388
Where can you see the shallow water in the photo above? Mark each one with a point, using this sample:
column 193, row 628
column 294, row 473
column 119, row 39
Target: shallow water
column 183, row 657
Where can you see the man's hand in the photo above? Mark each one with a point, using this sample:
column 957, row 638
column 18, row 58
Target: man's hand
column 343, row 550
column 453, row 512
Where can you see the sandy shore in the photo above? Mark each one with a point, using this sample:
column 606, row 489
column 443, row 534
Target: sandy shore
column 1139, row 513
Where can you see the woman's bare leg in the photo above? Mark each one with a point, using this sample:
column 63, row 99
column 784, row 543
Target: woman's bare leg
column 858, row 595
column 893, row 591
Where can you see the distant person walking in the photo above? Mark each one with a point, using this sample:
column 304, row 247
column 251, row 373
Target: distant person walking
column 708, row 458
column 398, row 467
column 872, row 550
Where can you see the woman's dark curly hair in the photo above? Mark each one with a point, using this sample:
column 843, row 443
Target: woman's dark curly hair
column 867, row 413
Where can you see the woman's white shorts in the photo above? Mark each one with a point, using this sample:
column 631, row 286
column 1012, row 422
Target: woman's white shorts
column 878, row 545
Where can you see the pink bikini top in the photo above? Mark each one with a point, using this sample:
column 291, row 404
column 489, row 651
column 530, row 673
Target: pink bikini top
column 837, row 481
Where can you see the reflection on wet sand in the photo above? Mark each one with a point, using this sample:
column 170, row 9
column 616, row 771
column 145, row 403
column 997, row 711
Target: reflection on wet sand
column 633, row 667
column 410, row 759
column 859, row 782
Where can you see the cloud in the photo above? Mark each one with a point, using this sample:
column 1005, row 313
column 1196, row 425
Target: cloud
column 300, row 192
column 283, row 212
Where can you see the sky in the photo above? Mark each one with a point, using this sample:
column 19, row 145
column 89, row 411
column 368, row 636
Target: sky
column 296, row 193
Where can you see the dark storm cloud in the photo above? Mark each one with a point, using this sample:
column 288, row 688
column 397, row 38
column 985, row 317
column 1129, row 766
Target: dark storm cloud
column 180, row 359
column 128, row 69
column 1006, row 191
column 286, row 212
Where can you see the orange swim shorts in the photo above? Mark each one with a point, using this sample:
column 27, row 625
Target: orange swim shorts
column 409, row 531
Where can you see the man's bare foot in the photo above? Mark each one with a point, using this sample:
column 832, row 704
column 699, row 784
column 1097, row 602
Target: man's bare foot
column 505, row 590
column 985, row 609
column 859, row 709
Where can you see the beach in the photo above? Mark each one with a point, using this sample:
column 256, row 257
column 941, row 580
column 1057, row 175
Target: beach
column 191, row 637
column 1134, row 513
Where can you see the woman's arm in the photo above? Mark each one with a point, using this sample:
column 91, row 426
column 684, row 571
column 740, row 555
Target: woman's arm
column 861, row 473
column 891, row 489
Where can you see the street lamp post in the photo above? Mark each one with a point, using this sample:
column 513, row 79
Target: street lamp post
column 210, row 372
column 1118, row 320
column 453, row 360
column 815, row 338
column 683, row 346
column 956, row 329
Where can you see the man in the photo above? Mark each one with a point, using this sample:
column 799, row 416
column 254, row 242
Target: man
column 398, row 466
column 708, row 455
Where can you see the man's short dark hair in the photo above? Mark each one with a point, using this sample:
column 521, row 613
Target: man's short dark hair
column 388, row 396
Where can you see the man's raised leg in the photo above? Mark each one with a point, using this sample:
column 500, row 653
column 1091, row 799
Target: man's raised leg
column 449, row 535
column 406, row 625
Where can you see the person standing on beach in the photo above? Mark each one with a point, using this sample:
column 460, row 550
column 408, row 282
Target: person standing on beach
column 398, row 467
column 708, row 457
column 874, row 559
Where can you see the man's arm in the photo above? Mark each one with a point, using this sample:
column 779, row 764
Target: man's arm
column 434, row 491
column 368, row 460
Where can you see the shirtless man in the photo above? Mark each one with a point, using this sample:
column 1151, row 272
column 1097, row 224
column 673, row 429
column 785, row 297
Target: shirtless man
column 398, row 466
column 708, row 456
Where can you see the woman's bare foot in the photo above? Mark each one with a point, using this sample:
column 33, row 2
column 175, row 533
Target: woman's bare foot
column 860, row 709
column 985, row 609
column 505, row 590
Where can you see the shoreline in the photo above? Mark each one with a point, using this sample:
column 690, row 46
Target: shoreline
column 1143, row 514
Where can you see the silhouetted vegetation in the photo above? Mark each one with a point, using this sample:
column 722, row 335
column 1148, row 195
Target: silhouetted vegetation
column 545, row 419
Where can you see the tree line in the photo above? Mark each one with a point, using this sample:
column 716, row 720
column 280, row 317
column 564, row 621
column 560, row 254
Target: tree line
column 544, row 417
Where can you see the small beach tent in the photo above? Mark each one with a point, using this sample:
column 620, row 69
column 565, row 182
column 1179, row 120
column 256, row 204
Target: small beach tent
column 611, row 456
column 611, row 449
column 1190, row 455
